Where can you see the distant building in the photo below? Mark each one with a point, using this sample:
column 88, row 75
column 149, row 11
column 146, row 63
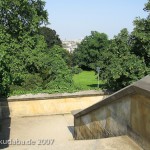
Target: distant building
column 70, row 45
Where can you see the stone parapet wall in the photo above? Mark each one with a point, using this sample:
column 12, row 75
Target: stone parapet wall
column 126, row 112
column 108, row 120
column 49, row 104
column 128, row 115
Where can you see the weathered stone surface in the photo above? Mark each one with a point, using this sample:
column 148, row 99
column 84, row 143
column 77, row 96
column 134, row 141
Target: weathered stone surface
column 41, row 96
column 35, row 107
column 60, row 128
column 125, row 112
column 107, row 121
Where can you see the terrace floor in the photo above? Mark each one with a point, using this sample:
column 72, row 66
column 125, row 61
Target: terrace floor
column 56, row 133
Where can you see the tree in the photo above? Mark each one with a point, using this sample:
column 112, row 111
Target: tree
column 19, row 23
column 50, row 37
column 24, row 54
column 141, row 36
column 21, row 16
column 119, row 66
column 88, row 51
column 63, row 53
column 59, row 75
column 128, row 56
column 54, row 69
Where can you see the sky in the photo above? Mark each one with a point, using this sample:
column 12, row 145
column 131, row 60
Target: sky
column 75, row 19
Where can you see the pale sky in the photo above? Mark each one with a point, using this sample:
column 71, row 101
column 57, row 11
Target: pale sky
column 75, row 19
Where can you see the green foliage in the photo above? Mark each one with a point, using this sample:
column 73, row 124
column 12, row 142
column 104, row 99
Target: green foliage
column 141, row 36
column 59, row 75
column 119, row 66
column 32, row 81
column 20, row 16
column 50, row 37
column 76, row 70
column 89, row 50
column 62, row 53
column 9, row 64
column 123, row 60
column 26, row 63
column 128, row 56
column 147, row 7
column 32, row 58
column 19, row 42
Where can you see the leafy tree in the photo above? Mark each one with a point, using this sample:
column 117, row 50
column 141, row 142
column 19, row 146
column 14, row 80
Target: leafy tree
column 63, row 53
column 59, row 76
column 119, row 66
column 54, row 69
column 18, row 17
column 50, row 37
column 89, row 50
column 24, row 53
column 11, row 67
column 128, row 56
column 19, row 59
column 140, row 38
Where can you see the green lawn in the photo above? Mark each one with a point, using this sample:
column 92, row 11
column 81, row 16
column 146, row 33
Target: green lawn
column 86, row 80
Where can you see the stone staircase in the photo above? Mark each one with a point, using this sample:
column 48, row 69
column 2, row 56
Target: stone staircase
column 60, row 128
column 115, row 123
column 115, row 143
column 125, row 112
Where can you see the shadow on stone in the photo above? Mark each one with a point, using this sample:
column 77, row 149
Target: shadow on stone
column 71, row 129
column 5, row 122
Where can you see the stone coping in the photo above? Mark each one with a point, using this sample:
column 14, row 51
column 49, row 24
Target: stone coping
column 141, row 87
column 44, row 96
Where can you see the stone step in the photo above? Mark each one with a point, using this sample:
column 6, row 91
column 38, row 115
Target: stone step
column 59, row 128
column 114, row 143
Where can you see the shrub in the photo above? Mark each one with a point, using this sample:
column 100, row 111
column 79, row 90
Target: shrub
column 76, row 70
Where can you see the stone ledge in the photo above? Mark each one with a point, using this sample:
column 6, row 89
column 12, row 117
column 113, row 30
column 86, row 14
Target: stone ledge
column 142, row 87
column 44, row 96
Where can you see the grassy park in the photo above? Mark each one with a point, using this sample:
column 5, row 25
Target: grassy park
column 86, row 80
column 34, row 60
